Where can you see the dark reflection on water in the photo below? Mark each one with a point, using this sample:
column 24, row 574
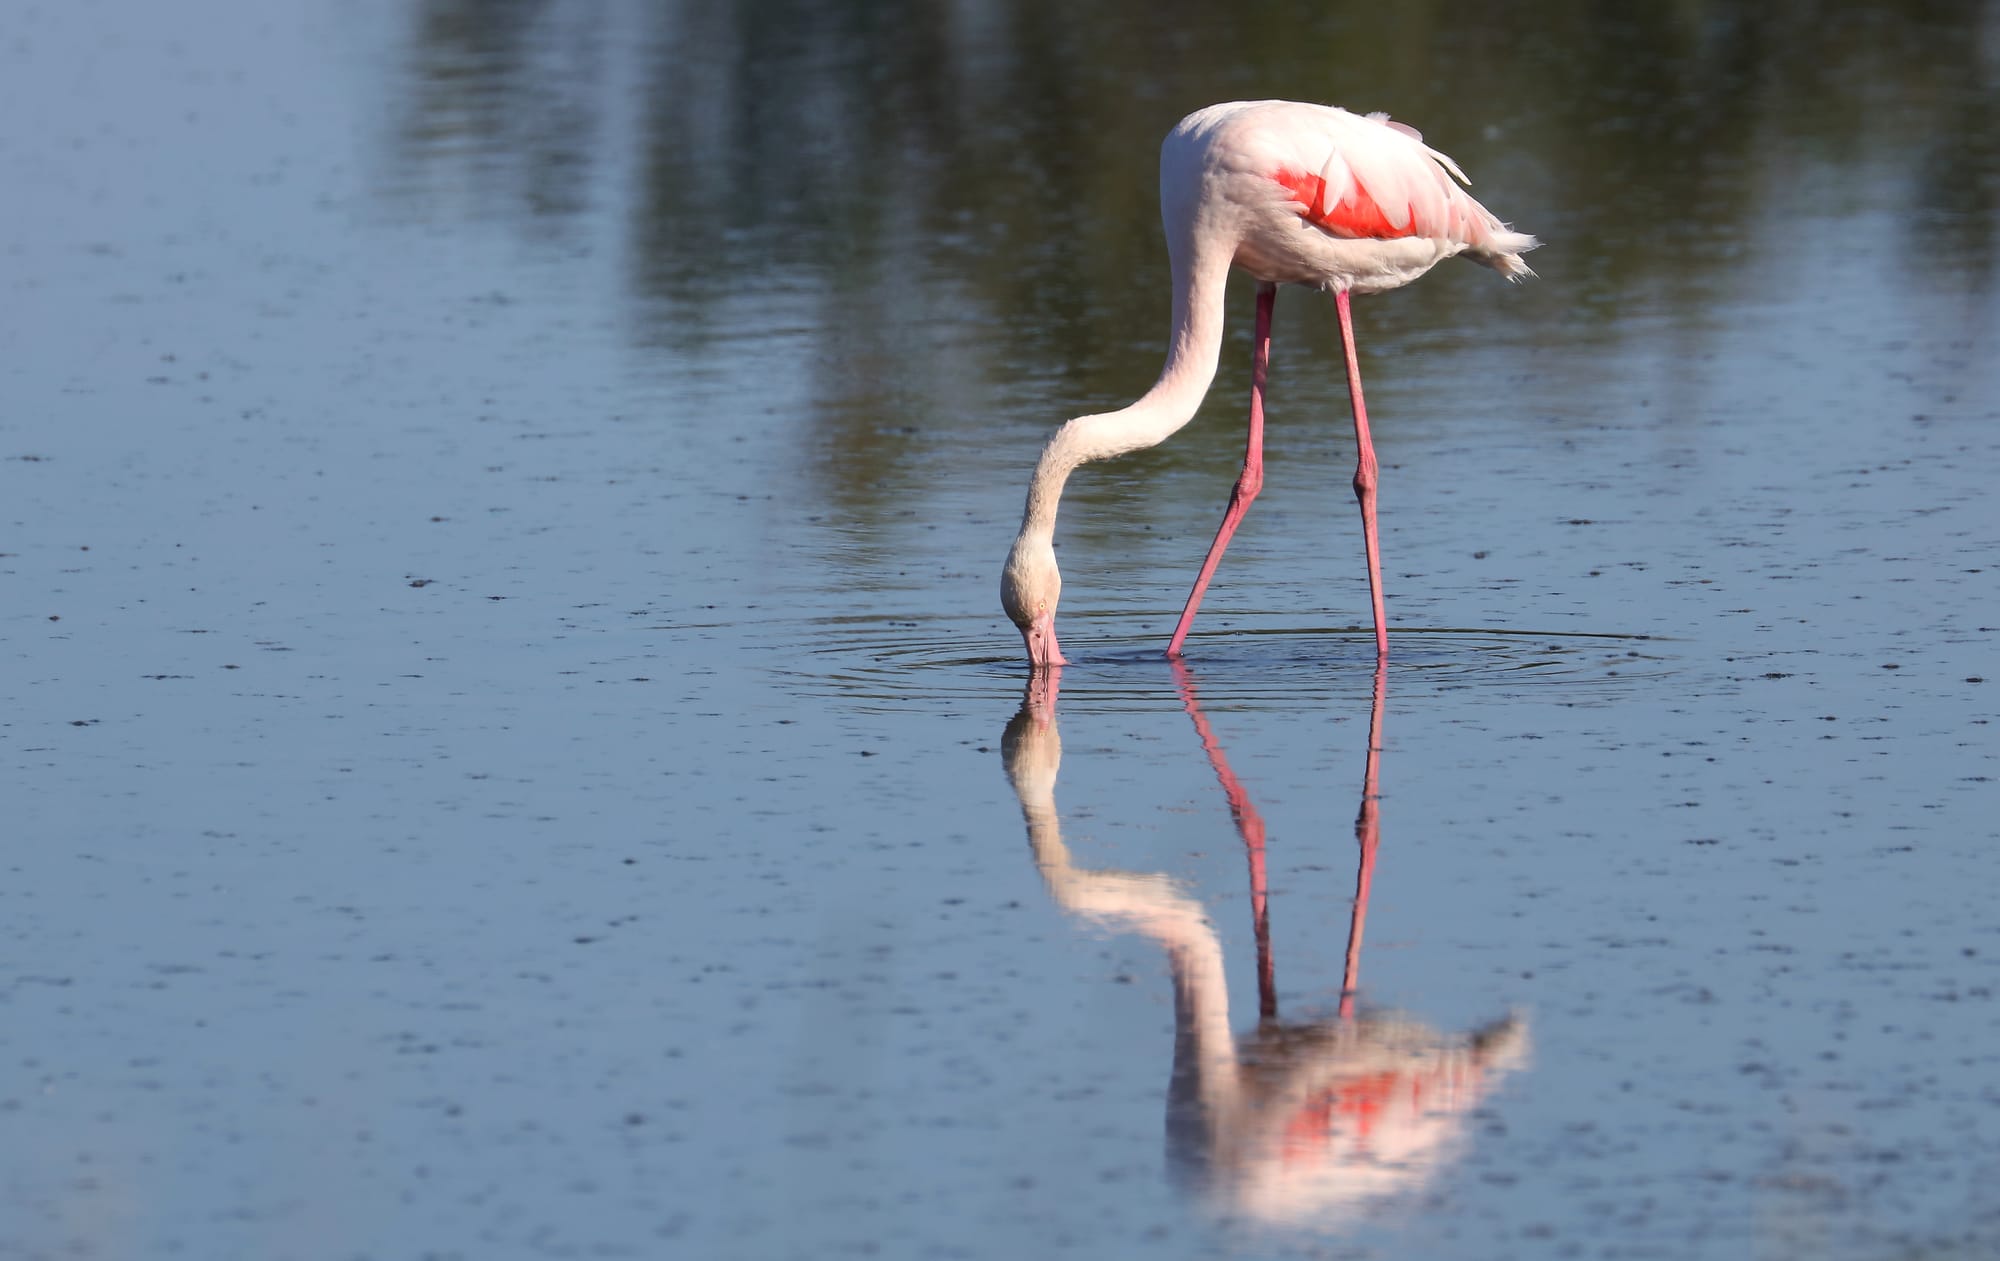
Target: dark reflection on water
column 916, row 236
column 1302, row 1123
column 887, row 156
column 506, row 93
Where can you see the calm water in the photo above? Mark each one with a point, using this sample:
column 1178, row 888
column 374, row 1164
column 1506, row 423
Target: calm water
column 513, row 750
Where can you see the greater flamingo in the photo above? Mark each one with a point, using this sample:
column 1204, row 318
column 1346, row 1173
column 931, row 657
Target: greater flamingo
column 1293, row 194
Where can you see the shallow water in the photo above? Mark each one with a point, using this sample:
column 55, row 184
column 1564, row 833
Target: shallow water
column 514, row 749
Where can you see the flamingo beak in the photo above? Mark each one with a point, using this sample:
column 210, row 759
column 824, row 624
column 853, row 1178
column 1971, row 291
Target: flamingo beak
column 1040, row 636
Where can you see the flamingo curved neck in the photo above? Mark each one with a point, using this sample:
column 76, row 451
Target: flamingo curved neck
column 1199, row 274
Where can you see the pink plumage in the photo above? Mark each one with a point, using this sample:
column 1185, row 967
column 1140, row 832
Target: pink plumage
column 1293, row 194
column 1381, row 206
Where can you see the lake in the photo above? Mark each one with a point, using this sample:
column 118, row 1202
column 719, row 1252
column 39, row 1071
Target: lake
column 516, row 751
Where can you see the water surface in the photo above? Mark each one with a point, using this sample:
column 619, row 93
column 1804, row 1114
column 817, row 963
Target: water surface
column 514, row 749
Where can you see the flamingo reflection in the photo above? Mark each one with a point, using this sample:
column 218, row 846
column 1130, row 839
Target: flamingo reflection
column 1298, row 1121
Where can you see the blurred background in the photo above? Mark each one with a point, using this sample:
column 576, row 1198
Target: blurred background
column 959, row 200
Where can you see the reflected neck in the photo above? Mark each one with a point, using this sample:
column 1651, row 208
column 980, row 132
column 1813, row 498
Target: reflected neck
column 1207, row 1076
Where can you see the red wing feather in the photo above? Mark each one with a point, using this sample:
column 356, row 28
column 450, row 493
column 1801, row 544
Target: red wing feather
column 1354, row 215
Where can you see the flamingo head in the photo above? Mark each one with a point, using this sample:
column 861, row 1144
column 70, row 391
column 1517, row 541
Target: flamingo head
column 1029, row 588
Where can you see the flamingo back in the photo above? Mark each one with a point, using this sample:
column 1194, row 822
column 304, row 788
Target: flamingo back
column 1387, row 205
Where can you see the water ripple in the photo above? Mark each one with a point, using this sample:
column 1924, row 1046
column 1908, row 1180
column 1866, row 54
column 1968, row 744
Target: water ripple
column 1258, row 662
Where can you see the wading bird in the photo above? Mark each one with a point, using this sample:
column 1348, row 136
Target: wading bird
column 1293, row 194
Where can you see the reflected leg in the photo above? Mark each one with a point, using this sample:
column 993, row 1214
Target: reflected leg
column 1368, row 835
column 1249, row 826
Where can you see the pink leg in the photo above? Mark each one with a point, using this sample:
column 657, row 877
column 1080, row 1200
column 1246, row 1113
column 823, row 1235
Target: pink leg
column 1252, row 479
column 1368, row 833
column 1364, row 475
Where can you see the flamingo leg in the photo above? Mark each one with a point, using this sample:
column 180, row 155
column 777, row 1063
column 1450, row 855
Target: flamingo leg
column 1365, row 475
column 1252, row 478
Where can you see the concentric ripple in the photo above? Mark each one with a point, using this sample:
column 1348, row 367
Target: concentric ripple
column 1257, row 662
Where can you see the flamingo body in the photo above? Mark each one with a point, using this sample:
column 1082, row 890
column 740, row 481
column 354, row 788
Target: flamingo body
column 1315, row 195
column 1293, row 194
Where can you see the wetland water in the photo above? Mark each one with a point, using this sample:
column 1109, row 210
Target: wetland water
column 513, row 750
